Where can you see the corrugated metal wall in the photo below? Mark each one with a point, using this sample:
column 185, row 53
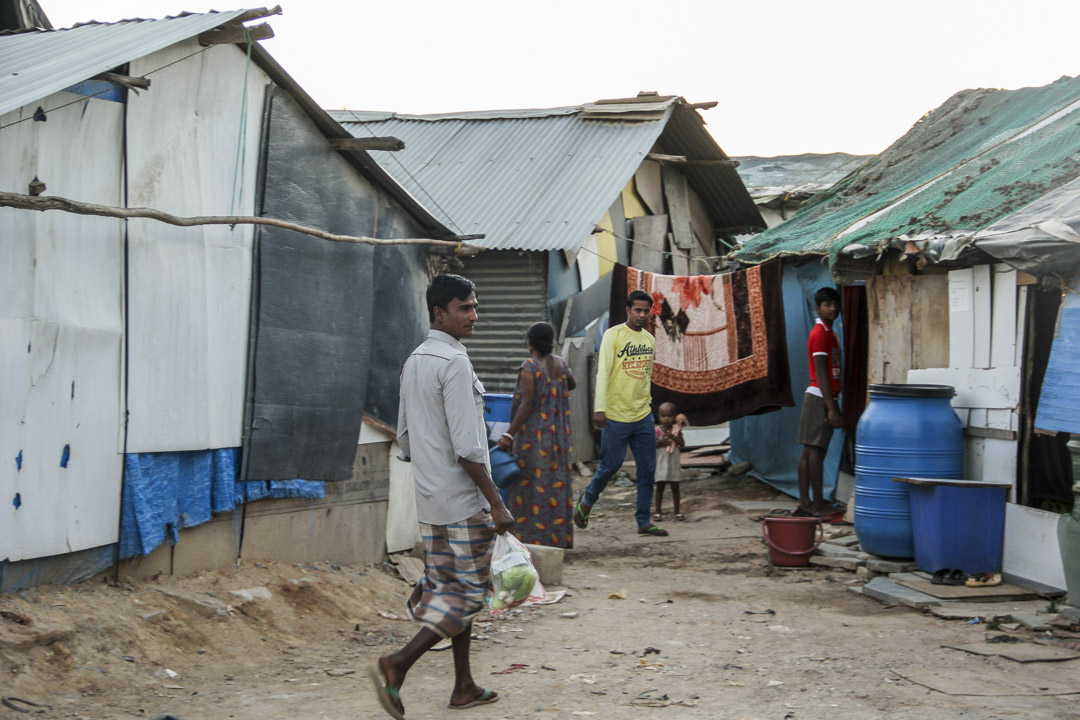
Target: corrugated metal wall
column 511, row 287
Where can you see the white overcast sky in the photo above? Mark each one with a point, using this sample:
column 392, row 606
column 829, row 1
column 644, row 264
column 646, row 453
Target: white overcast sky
column 790, row 77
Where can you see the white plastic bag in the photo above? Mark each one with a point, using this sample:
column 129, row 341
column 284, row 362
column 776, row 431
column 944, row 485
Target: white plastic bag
column 514, row 580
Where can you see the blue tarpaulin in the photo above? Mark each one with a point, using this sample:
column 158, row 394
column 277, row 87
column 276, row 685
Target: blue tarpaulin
column 169, row 491
column 1061, row 387
column 768, row 441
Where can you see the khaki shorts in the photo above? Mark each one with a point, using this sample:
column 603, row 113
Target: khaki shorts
column 814, row 427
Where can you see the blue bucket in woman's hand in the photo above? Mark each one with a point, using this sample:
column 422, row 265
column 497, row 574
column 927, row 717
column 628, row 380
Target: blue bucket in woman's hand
column 504, row 468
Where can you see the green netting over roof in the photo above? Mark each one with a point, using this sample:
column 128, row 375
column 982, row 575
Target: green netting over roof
column 980, row 156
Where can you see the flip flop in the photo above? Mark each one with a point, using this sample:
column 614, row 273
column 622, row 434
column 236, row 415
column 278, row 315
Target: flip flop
column 653, row 530
column 956, row 577
column 984, row 579
column 389, row 696
column 680, row 517
column 658, row 516
column 485, row 697
column 941, row 577
column 580, row 518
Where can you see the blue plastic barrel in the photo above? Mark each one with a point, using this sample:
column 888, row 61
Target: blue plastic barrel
column 497, row 407
column 905, row 431
column 496, row 410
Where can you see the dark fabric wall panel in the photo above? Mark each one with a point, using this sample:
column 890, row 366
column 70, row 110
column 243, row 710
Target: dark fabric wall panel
column 400, row 321
column 312, row 320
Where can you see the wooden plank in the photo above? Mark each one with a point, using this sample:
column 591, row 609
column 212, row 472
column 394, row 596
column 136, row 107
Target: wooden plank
column 930, row 321
column 890, row 324
column 1003, row 317
column 680, row 262
column 236, row 33
column 650, row 238
column 368, row 143
column 1001, row 592
column 961, row 318
column 678, row 202
column 650, row 187
column 990, row 433
column 1021, row 324
column 982, row 389
column 701, row 224
column 983, row 296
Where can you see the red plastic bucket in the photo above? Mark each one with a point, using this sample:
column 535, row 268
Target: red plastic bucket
column 791, row 539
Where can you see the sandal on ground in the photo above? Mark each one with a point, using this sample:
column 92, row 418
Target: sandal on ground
column 984, row 579
column 654, row 530
column 658, row 516
column 485, row 697
column 581, row 519
column 680, row 517
column 389, row 696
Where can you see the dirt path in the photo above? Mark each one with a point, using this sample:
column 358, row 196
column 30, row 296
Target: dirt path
column 300, row 646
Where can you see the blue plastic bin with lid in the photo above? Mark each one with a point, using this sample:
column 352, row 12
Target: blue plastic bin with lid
column 496, row 410
column 957, row 524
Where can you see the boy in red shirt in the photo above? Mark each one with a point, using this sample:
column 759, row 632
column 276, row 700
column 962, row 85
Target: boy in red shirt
column 820, row 411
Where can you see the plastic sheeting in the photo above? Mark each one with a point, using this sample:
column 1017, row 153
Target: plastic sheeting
column 1041, row 238
column 1061, row 386
column 167, row 492
column 767, row 441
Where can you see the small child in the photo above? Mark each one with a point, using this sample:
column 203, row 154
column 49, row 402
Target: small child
column 669, row 440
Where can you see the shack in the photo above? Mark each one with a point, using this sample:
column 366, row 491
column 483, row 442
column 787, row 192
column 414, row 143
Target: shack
column 561, row 194
column 928, row 299
column 208, row 383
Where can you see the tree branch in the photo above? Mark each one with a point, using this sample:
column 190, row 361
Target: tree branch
column 51, row 202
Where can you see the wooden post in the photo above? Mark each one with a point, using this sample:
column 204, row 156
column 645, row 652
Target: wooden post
column 368, row 143
column 235, row 33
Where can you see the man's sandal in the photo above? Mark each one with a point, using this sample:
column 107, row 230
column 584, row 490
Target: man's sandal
column 581, row 518
column 654, row 530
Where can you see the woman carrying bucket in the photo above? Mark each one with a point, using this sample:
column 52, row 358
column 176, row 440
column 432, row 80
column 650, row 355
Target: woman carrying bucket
column 539, row 434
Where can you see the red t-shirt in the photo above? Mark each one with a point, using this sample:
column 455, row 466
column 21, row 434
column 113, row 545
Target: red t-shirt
column 823, row 341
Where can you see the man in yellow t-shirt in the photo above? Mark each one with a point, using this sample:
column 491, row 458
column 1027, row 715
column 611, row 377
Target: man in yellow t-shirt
column 622, row 409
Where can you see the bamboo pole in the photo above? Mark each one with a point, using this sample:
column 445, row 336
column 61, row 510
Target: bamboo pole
column 52, row 202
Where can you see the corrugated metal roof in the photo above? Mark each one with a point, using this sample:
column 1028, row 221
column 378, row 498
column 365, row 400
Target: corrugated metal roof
column 36, row 64
column 542, row 179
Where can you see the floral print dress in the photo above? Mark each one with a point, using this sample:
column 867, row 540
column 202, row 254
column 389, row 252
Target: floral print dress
column 541, row 502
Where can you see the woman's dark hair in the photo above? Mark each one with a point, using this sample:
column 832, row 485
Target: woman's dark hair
column 445, row 288
column 826, row 294
column 541, row 337
column 638, row 295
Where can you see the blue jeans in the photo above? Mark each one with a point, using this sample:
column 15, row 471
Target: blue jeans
column 641, row 437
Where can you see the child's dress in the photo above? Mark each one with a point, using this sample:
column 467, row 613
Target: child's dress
column 667, row 460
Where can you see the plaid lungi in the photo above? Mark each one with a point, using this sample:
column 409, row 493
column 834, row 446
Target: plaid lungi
column 457, row 574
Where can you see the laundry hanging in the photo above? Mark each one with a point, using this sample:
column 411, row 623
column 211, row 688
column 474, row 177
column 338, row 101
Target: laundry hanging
column 721, row 351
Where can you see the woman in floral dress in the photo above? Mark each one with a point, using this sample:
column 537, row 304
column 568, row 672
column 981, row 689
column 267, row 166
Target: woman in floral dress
column 539, row 433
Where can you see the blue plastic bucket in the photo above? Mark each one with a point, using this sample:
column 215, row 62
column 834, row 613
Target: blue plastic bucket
column 504, row 469
column 958, row 524
column 905, row 431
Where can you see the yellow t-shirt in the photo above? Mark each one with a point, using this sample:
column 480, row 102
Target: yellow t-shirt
column 624, row 374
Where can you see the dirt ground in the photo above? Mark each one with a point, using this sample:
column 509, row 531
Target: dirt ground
column 299, row 644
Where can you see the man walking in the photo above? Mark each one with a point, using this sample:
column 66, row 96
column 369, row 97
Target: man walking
column 441, row 430
column 622, row 409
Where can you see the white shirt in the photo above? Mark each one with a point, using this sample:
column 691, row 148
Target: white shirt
column 441, row 419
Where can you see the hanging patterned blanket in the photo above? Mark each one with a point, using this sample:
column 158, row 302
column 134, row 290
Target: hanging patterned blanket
column 721, row 351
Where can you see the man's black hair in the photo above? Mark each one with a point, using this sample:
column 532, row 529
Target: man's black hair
column 542, row 337
column 445, row 288
column 826, row 294
column 638, row 295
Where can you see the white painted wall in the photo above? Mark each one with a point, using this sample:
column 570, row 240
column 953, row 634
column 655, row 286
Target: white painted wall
column 60, row 331
column 189, row 294
column 986, row 331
